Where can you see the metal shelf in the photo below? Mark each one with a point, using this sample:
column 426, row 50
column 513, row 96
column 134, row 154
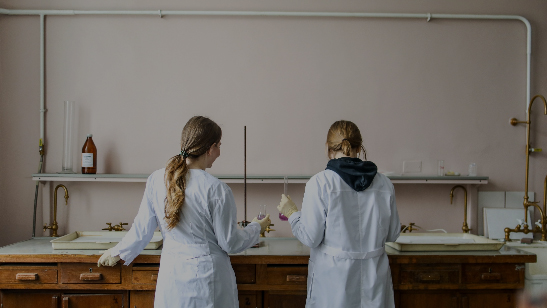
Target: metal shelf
column 254, row 179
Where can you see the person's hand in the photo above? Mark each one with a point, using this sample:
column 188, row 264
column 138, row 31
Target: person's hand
column 264, row 223
column 107, row 259
column 286, row 206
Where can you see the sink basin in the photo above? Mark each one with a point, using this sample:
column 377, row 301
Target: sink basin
column 98, row 240
column 443, row 242
column 536, row 270
column 535, row 275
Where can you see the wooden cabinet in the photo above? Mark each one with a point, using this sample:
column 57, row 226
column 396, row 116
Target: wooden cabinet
column 19, row 299
column 417, row 299
column 497, row 299
column 142, row 299
column 457, row 285
column 459, row 280
column 285, row 299
column 47, row 299
column 456, row 299
column 250, row 299
column 92, row 301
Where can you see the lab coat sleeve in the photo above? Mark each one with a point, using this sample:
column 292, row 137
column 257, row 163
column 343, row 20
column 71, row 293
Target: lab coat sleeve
column 308, row 226
column 394, row 224
column 229, row 237
column 141, row 231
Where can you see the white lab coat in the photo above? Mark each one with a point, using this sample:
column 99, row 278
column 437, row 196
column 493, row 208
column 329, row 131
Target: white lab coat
column 346, row 231
column 195, row 270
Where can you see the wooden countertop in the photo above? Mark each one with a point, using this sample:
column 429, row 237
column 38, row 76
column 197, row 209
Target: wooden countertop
column 272, row 250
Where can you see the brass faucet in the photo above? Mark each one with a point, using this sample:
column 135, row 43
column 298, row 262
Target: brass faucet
column 54, row 227
column 411, row 227
column 116, row 227
column 268, row 229
column 465, row 227
column 525, row 229
column 536, row 229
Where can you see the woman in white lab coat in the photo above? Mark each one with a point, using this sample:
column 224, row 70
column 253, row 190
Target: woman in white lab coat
column 196, row 214
column 348, row 214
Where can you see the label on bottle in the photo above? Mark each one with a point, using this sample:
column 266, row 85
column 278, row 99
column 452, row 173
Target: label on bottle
column 87, row 160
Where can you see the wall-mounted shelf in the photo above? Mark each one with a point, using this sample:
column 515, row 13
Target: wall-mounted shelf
column 395, row 179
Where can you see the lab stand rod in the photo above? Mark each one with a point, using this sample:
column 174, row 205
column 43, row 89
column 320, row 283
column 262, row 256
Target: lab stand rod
column 244, row 175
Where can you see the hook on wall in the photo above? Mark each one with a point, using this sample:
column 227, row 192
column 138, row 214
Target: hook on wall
column 159, row 12
column 428, row 17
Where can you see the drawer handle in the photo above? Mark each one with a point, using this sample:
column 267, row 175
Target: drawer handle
column 296, row 278
column 26, row 276
column 154, row 277
column 91, row 276
column 430, row 277
column 491, row 276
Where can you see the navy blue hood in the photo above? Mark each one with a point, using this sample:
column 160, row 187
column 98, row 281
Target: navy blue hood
column 356, row 173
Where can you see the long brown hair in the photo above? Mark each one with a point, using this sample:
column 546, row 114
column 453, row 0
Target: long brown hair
column 198, row 135
column 344, row 136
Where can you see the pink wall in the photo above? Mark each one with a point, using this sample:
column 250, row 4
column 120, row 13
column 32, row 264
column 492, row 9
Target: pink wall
column 418, row 91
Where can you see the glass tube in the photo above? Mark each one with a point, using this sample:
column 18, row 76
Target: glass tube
column 68, row 137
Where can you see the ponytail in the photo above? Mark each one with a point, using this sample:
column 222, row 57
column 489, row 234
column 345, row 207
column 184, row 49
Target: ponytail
column 345, row 146
column 198, row 135
column 175, row 181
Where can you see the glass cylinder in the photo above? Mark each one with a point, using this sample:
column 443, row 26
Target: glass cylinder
column 440, row 168
column 68, row 134
column 262, row 212
column 472, row 169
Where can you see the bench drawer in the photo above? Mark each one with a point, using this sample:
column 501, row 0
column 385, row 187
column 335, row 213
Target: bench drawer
column 424, row 274
column 145, row 277
column 245, row 273
column 90, row 273
column 287, row 275
column 492, row 273
column 28, row 274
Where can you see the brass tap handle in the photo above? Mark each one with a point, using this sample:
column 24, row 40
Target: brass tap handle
column 268, row 229
column 46, row 227
column 515, row 121
column 120, row 227
column 109, row 228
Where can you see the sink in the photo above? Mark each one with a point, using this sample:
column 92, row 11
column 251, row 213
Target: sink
column 443, row 242
column 98, row 240
column 537, row 270
column 535, row 275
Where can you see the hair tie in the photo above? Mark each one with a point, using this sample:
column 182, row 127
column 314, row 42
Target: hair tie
column 346, row 140
column 184, row 154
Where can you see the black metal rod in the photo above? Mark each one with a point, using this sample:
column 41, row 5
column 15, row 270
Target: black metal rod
column 245, row 174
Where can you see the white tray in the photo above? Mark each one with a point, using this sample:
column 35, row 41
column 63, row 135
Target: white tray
column 443, row 242
column 98, row 240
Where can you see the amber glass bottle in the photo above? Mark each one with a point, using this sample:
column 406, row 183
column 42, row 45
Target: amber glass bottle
column 89, row 156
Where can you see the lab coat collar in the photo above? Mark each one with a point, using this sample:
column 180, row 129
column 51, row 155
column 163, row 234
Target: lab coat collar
column 356, row 173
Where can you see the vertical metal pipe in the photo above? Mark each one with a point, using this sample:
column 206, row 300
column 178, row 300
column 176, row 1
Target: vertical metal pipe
column 42, row 78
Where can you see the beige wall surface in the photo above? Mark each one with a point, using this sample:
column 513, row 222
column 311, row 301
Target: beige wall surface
column 418, row 90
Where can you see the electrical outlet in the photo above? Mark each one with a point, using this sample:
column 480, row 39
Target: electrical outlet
column 412, row 166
